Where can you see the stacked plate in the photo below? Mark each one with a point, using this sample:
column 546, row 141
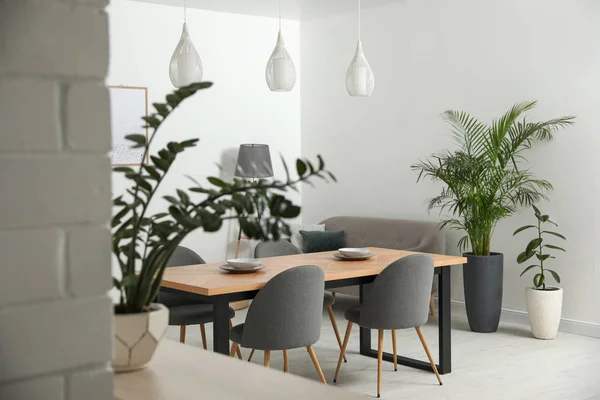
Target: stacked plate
column 353, row 254
column 242, row 265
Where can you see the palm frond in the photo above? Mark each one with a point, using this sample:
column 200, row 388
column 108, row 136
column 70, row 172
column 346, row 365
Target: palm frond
column 486, row 178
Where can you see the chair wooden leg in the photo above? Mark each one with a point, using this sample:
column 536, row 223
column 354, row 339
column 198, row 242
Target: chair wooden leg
column 250, row 356
column 432, row 306
column 267, row 358
column 234, row 347
column 335, row 328
column 343, row 351
column 203, row 333
column 313, row 357
column 424, row 343
column 286, row 362
column 237, row 351
column 182, row 334
column 395, row 352
column 379, row 361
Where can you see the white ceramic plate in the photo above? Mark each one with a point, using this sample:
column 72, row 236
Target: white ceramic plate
column 229, row 268
column 244, row 263
column 356, row 258
column 354, row 251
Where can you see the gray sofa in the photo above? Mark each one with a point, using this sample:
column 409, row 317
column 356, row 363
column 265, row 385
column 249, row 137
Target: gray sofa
column 398, row 234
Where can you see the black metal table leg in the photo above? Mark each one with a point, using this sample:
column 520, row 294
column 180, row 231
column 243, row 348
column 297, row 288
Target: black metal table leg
column 444, row 321
column 365, row 333
column 221, row 324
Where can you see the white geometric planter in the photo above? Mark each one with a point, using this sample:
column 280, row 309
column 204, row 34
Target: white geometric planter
column 136, row 337
column 544, row 308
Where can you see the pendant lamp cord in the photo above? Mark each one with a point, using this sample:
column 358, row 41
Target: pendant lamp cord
column 279, row 15
column 184, row 11
column 359, row 20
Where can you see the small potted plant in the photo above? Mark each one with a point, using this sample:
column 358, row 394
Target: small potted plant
column 142, row 243
column 544, row 303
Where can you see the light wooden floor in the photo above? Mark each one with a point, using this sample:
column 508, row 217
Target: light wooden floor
column 508, row 364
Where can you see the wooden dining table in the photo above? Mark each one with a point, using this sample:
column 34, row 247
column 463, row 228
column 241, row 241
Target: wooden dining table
column 212, row 285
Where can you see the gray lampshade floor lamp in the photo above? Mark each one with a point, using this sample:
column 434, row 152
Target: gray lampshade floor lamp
column 253, row 162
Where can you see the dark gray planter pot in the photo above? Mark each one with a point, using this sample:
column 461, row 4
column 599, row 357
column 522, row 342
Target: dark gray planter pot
column 482, row 277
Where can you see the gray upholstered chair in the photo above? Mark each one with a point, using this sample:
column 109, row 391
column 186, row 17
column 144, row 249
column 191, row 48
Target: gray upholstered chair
column 399, row 234
column 397, row 299
column 285, row 314
column 185, row 309
column 277, row 248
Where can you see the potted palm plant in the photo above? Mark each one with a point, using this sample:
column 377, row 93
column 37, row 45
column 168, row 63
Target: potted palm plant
column 544, row 302
column 142, row 243
column 486, row 179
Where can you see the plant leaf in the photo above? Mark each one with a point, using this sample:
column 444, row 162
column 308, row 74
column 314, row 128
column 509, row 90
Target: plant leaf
column 543, row 218
column 129, row 280
column 538, row 280
column 171, row 199
column 189, row 143
column 173, row 100
column 161, row 108
column 521, row 229
column 300, row 167
column 160, row 163
column 116, row 283
column 175, row 147
column 551, row 246
column 533, row 244
column 152, row 121
column 524, row 256
column 554, row 275
column 528, row 268
column 126, row 170
column 555, row 234
column 542, row 257
column 152, row 171
column 137, row 138
column 185, row 199
column 217, row 182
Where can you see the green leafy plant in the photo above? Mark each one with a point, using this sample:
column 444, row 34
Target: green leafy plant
column 536, row 248
column 148, row 241
column 486, row 178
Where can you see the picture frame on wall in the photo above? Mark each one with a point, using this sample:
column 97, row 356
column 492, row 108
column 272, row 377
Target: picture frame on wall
column 128, row 104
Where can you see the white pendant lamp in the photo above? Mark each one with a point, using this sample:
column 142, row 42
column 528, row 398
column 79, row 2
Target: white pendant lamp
column 185, row 66
column 280, row 72
column 360, row 80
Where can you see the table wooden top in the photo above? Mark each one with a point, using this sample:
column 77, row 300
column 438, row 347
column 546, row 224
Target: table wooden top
column 209, row 280
column 181, row 372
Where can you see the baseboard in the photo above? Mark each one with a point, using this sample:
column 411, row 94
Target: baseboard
column 521, row 318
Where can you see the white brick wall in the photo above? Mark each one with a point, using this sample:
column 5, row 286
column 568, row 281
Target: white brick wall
column 55, row 316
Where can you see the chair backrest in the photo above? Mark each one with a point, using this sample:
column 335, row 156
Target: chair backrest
column 274, row 248
column 184, row 256
column 399, row 296
column 181, row 256
column 286, row 313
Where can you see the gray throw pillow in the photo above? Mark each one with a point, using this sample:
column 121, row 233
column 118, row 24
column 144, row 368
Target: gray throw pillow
column 295, row 236
column 315, row 241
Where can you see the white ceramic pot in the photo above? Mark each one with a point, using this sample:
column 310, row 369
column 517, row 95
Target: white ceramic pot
column 136, row 337
column 544, row 308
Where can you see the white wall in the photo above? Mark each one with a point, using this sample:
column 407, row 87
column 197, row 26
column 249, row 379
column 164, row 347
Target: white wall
column 56, row 329
column 479, row 56
column 238, row 109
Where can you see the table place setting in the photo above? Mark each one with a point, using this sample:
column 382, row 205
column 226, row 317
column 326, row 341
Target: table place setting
column 242, row 265
column 353, row 254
